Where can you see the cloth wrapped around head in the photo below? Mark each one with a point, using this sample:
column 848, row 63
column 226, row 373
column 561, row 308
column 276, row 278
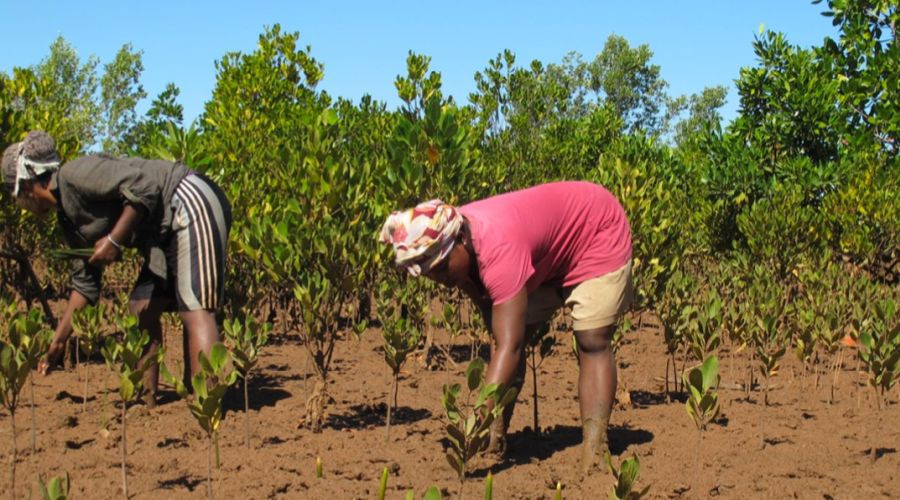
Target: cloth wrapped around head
column 29, row 159
column 422, row 236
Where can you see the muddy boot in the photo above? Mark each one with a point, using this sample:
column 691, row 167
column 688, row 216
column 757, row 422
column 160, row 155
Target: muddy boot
column 594, row 445
column 496, row 447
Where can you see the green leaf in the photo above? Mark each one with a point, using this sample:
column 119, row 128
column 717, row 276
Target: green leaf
column 474, row 373
column 205, row 364
column 218, row 355
column 455, row 462
column 710, row 371
column 470, row 424
column 126, row 388
column 432, row 493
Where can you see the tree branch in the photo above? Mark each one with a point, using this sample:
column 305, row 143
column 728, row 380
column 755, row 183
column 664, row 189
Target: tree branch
column 26, row 268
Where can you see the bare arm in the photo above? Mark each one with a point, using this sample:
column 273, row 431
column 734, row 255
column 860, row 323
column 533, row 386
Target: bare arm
column 63, row 330
column 508, row 328
column 105, row 251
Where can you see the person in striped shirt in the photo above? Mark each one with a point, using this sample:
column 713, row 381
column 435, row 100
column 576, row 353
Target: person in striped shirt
column 178, row 220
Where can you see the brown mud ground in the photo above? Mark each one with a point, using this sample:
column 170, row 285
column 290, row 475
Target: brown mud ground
column 813, row 449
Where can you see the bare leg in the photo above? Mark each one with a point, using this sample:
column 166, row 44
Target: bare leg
column 148, row 312
column 202, row 333
column 596, row 390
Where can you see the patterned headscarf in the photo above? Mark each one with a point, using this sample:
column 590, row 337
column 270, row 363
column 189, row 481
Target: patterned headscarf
column 28, row 159
column 422, row 236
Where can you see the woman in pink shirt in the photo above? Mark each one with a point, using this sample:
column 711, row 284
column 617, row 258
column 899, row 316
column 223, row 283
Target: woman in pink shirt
column 520, row 256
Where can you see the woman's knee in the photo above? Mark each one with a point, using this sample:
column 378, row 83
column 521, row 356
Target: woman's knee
column 596, row 340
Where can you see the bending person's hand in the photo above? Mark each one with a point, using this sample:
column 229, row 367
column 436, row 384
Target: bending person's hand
column 105, row 252
column 50, row 361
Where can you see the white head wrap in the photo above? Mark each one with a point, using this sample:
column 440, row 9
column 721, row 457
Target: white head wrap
column 36, row 155
column 29, row 169
column 422, row 236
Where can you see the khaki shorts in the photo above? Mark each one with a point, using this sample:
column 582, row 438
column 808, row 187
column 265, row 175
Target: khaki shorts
column 595, row 303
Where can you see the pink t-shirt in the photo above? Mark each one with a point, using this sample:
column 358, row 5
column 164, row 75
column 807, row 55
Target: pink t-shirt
column 562, row 232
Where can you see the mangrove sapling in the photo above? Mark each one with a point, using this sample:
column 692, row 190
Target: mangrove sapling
column 319, row 300
column 538, row 348
column 767, row 336
column 470, row 423
column 35, row 338
column 245, row 339
column 320, row 468
column 56, row 489
column 703, row 401
column 675, row 314
column 705, row 324
column 124, row 358
column 880, row 341
column 402, row 320
column 451, row 320
column 400, row 339
column 209, row 385
column 27, row 341
column 87, row 323
column 489, row 487
column 771, row 345
column 804, row 339
column 625, row 478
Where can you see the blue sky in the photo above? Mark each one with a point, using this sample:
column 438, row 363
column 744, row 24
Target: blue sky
column 364, row 44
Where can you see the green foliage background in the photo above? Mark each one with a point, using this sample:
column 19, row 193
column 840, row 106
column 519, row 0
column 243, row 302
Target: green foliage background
column 808, row 168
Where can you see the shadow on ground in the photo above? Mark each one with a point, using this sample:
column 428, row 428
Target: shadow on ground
column 526, row 446
column 645, row 398
column 188, row 482
column 365, row 415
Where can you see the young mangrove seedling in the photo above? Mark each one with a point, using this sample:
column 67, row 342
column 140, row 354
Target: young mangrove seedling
column 87, row 323
column 703, row 400
column 880, row 341
column 469, row 423
column 402, row 321
column 26, row 342
column 38, row 338
column 246, row 339
column 704, row 332
column 625, row 478
column 124, row 358
column 489, row 487
column 320, row 468
column 771, row 345
column 538, row 348
column 56, row 489
column 210, row 385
